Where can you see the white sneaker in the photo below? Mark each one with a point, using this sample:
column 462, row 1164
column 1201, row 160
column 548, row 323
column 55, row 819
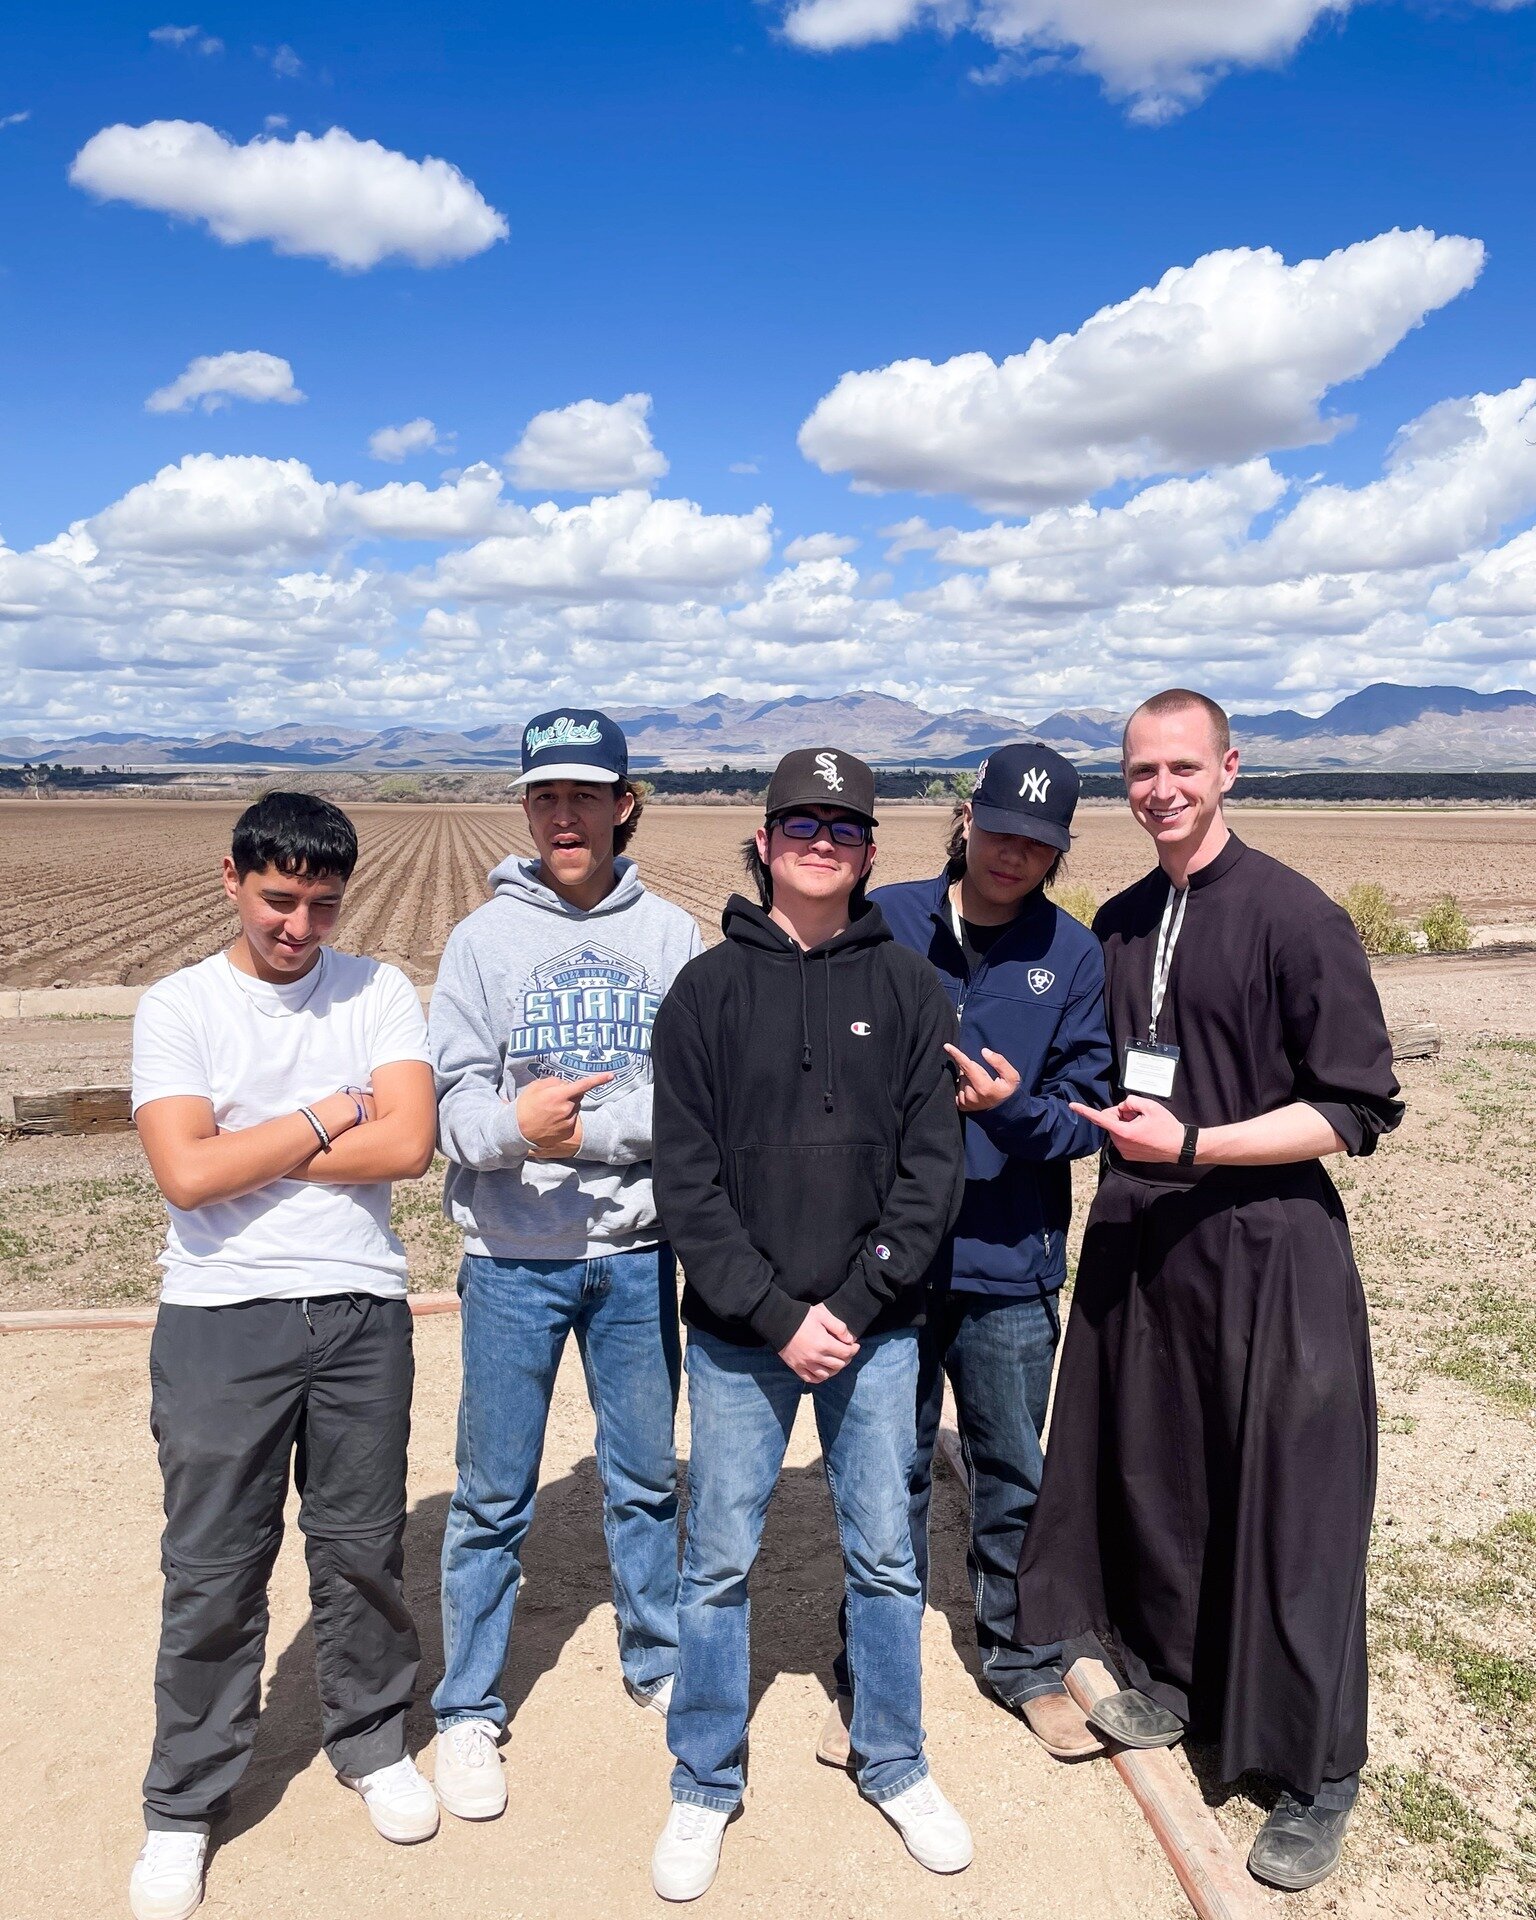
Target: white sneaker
column 659, row 1699
column 687, row 1856
column 167, row 1880
column 937, row 1838
column 400, row 1802
column 468, row 1775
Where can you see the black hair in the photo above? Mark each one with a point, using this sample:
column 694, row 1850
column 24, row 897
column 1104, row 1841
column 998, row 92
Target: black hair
column 624, row 832
column 298, row 833
column 756, row 868
column 954, row 852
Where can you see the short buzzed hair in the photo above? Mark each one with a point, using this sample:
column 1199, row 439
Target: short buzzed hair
column 1180, row 700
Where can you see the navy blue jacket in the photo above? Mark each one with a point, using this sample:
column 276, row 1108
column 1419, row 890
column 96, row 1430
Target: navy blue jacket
column 1037, row 998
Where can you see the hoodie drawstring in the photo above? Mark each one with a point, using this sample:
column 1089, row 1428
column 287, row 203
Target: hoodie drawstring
column 805, row 1027
column 826, row 1091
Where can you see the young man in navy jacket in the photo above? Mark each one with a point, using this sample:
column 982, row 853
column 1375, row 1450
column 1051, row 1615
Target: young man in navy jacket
column 1027, row 981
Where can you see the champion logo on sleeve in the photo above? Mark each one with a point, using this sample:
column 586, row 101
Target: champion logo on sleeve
column 882, row 1251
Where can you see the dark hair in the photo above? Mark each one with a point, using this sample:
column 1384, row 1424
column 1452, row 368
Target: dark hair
column 624, row 832
column 298, row 833
column 756, row 868
column 1180, row 700
column 954, row 852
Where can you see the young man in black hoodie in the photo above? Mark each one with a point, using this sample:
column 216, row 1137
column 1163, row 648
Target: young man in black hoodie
column 808, row 1163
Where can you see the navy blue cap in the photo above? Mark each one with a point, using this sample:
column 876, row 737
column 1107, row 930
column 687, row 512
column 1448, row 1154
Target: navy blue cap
column 573, row 743
column 1027, row 789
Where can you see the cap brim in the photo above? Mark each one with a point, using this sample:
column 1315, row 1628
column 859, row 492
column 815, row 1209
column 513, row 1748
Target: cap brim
column 572, row 771
column 1028, row 825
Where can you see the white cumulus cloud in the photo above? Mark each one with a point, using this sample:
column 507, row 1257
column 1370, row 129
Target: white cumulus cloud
column 395, row 444
column 351, row 202
column 1161, row 56
column 592, row 446
column 820, row 546
column 212, row 380
column 624, row 545
column 229, row 506
column 1221, row 360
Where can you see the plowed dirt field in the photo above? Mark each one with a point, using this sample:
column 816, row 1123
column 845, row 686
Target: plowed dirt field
column 122, row 892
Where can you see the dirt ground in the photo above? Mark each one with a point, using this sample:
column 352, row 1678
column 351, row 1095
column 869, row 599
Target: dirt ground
column 104, row 892
column 587, row 1771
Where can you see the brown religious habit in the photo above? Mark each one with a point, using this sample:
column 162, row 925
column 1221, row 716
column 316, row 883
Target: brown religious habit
column 1206, row 1504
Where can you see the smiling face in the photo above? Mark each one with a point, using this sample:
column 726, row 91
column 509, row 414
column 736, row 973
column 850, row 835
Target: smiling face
column 285, row 917
column 1002, row 868
column 572, row 823
column 818, row 869
column 1176, row 775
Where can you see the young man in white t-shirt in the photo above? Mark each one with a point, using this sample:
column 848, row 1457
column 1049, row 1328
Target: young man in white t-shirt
column 278, row 1089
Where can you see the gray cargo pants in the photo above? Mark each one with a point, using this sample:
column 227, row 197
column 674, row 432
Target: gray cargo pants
column 236, row 1391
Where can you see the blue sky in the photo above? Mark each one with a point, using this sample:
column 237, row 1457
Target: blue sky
column 701, row 210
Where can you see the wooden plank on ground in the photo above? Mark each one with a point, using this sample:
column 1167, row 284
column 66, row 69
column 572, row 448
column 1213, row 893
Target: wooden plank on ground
column 1418, row 1042
column 1204, row 1861
column 73, row 1110
column 118, row 1319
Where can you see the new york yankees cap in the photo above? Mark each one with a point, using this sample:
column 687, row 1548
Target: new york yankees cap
column 821, row 777
column 573, row 743
column 1027, row 789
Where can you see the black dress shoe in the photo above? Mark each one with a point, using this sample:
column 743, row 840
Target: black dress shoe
column 1130, row 1719
column 1298, row 1845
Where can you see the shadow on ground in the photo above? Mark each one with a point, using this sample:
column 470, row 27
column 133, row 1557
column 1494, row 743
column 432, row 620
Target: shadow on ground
column 796, row 1586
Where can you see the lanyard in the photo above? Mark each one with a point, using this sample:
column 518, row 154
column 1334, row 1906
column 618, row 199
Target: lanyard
column 1162, row 960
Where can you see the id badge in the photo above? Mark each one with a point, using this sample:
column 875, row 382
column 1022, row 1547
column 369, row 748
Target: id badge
column 1149, row 1069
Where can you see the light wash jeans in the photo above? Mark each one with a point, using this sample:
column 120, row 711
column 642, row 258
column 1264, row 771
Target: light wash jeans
column 998, row 1354
column 516, row 1316
column 742, row 1403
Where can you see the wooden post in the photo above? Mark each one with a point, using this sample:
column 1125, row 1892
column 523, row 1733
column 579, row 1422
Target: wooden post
column 73, row 1110
column 1418, row 1042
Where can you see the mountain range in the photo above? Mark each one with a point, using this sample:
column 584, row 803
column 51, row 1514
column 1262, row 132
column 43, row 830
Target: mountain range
column 1383, row 726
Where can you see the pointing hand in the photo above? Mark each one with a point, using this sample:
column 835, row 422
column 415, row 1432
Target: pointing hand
column 549, row 1114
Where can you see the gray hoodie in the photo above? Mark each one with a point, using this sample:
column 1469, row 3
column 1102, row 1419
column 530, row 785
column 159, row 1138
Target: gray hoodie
column 530, row 986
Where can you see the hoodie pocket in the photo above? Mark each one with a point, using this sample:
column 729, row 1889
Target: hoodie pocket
column 808, row 1209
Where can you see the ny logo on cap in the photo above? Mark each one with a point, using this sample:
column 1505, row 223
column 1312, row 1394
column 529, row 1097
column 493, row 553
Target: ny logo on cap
column 826, row 767
column 1037, row 784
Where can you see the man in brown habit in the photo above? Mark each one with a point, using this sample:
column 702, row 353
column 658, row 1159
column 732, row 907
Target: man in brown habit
column 1206, row 1504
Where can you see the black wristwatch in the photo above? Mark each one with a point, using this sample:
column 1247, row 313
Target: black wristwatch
column 1187, row 1151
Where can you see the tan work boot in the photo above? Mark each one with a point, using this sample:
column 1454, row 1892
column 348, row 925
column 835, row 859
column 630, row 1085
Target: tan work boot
column 1057, row 1722
column 834, row 1749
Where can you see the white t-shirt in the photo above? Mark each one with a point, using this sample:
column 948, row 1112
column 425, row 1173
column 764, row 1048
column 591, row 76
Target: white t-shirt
column 257, row 1051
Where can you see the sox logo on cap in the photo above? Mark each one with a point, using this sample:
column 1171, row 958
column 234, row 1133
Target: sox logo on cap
column 826, row 768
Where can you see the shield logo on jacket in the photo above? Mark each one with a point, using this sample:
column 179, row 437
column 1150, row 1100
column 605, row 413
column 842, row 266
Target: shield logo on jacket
column 1041, row 979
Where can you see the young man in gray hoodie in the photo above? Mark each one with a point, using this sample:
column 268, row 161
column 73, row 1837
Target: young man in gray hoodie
column 540, row 1033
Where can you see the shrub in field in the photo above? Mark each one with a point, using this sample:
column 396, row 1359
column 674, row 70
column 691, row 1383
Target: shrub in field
column 1080, row 901
column 964, row 785
column 399, row 786
column 1380, row 930
column 1445, row 927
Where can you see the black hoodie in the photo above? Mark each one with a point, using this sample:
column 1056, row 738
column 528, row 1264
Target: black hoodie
column 807, row 1146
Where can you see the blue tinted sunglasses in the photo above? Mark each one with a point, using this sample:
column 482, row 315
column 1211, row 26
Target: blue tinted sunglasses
column 805, row 826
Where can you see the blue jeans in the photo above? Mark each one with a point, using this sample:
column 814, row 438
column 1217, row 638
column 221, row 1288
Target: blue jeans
column 742, row 1404
column 516, row 1315
column 998, row 1355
